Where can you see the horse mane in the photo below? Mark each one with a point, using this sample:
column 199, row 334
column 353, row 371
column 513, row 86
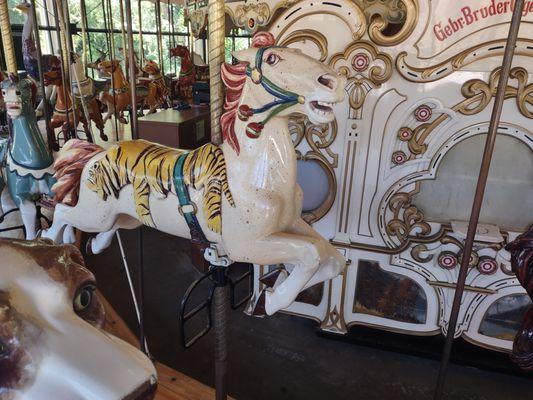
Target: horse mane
column 68, row 166
column 234, row 77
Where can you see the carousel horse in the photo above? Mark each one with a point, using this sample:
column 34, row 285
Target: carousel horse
column 84, row 90
column 158, row 91
column 118, row 97
column 187, row 76
column 64, row 113
column 53, row 344
column 138, row 71
column 521, row 250
column 240, row 198
column 29, row 164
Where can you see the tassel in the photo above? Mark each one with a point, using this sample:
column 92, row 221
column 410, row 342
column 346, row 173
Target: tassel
column 253, row 129
column 244, row 112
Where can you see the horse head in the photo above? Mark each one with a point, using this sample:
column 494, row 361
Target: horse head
column 52, row 71
column 180, row 51
column 108, row 66
column 279, row 81
column 18, row 95
column 521, row 250
column 151, row 68
column 51, row 342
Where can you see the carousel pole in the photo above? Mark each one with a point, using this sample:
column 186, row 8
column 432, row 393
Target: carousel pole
column 47, row 20
column 159, row 36
column 52, row 145
column 125, row 47
column 111, row 49
column 7, row 38
column 84, row 35
column 480, row 192
column 216, row 18
column 62, row 49
column 141, row 46
column 135, row 135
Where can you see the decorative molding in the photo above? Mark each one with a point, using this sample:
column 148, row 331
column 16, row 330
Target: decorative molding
column 382, row 13
column 495, row 48
column 301, row 35
column 319, row 138
column 407, row 221
column 365, row 68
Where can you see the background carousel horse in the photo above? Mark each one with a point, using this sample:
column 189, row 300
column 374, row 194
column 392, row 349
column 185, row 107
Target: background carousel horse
column 187, row 76
column 138, row 71
column 118, row 97
column 29, row 163
column 52, row 340
column 158, row 91
column 64, row 113
column 242, row 197
column 521, row 250
column 84, row 90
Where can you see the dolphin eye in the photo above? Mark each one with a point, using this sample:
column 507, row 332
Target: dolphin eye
column 272, row 59
column 84, row 298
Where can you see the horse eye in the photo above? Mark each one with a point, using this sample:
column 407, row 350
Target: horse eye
column 272, row 59
column 18, row 92
column 84, row 298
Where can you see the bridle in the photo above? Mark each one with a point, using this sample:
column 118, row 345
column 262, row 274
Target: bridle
column 284, row 98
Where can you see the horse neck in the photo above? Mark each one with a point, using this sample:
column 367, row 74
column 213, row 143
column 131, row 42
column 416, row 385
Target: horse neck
column 268, row 161
column 119, row 80
column 28, row 147
column 78, row 72
column 27, row 28
column 63, row 99
column 186, row 63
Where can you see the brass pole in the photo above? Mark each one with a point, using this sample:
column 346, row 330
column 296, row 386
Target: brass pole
column 123, row 34
column 159, row 36
column 141, row 46
column 480, row 192
column 7, row 38
column 84, row 34
column 216, row 28
column 131, row 62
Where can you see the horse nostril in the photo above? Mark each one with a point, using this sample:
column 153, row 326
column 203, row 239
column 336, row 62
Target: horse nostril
column 328, row 80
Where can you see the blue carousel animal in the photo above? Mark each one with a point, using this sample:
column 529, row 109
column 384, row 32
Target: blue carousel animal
column 29, row 164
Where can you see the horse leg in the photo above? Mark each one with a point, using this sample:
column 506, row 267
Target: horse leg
column 86, row 129
column 303, row 252
column 6, row 201
column 96, row 116
column 28, row 212
column 151, row 99
column 108, row 101
column 55, row 232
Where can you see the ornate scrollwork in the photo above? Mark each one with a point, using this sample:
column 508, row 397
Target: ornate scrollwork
column 407, row 221
column 251, row 16
column 319, row 138
column 477, row 96
column 479, row 52
column 198, row 20
column 301, row 35
column 365, row 68
column 383, row 14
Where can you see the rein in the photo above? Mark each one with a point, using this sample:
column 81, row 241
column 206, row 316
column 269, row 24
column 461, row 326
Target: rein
column 284, row 98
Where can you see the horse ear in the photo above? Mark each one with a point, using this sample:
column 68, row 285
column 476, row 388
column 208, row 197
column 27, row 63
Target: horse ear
column 247, row 55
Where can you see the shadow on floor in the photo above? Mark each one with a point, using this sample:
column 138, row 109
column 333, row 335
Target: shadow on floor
column 280, row 357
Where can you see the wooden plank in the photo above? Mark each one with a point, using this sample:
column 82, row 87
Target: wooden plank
column 172, row 385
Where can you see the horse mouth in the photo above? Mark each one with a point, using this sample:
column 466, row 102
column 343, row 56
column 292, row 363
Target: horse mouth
column 13, row 106
column 322, row 108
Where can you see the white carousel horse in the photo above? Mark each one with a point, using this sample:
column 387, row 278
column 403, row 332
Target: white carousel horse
column 242, row 196
column 52, row 345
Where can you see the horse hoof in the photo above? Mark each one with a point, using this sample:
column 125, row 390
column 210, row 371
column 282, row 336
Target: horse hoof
column 259, row 310
column 270, row 278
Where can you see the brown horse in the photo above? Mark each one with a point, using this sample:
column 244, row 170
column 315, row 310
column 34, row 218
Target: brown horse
column 187, row 75
column 64, row 108
column 118, row 98
column 158, row 91
column 521, row 250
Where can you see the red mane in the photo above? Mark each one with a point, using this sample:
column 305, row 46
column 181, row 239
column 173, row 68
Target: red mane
column 234, row 77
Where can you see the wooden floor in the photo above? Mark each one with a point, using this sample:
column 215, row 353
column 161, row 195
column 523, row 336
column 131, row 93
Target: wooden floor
column 172, row 385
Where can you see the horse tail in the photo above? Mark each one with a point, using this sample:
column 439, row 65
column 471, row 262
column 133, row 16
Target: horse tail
column 68, row 167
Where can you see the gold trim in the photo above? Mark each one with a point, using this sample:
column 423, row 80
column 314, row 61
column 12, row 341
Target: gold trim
column 493, row 48
column 468, row 288
column 216, row 22
column 379, row 23
column 301, row 35
column 392, row 329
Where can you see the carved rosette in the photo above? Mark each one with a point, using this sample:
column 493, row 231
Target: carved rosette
column 365, row 68
column 313, row 143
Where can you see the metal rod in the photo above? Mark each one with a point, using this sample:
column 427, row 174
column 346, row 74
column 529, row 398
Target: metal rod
column 49, row 31
column 131, row 65
column 123, row 35
column 141, row 46
column 63, row 71
column 142, row 336
column 51, row 139
column 112, row 57
column 85, row 37
column 480, row 192
column 159, row 38
column 144, row 344
column 220, row 301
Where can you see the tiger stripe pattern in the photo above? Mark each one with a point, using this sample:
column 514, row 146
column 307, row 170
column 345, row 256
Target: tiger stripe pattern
column 149, row 168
